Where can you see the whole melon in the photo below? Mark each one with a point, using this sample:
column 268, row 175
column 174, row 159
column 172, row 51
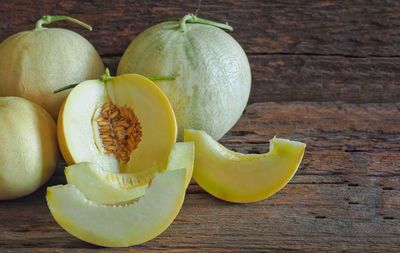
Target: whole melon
column 35, row 63
column 29, row 150
column 212, row 73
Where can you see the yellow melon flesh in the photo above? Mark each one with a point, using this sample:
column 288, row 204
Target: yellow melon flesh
column 119, row 226
column 78, row 133
column 182, row 157
column 242, row 178
column 105, row 187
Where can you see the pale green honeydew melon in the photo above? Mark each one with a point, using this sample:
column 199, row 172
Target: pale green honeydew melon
column 35, row 63
column 211, row 70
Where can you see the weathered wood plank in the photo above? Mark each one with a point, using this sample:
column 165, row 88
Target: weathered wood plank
column 356, row 28
column 319, row 78
column 343, row 140
column 300, row 217
column 276, row 77
column 345, row 197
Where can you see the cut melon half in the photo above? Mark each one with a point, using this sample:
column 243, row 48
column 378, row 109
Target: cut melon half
column 243, row 178
column 105, row 187
column 119, row 226
column 123, row 124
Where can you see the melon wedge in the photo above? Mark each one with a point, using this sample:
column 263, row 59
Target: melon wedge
column 105, row 187
column 182, row 157
column 243, row 178
column 119, row 226
column 78, row 128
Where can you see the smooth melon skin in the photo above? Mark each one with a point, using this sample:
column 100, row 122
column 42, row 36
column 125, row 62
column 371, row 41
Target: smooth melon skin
column 33, row 64
column 119, row 226
column 211, row 70
column 242, row 178
column 62, row 142
column 28, row 151
column 105, row 187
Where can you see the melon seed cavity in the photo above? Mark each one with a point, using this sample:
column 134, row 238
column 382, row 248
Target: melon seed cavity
column 120, row 131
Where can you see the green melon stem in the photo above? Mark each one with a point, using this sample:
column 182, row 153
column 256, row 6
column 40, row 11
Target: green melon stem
column 65, row 88
column 45, row 20
column 193, row 19
column 106, row 76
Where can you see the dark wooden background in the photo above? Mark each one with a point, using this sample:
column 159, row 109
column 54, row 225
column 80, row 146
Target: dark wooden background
column 324, row 72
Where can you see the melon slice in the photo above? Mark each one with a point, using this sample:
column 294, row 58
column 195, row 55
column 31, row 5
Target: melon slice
column 242, row 178
column 105, row 187
column 123, row 124
column 182, row 157
column 119, row 226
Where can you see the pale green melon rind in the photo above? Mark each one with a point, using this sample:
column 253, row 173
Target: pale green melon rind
column 212, row 73
column 119, row 226
column 243, row 178
column 33, row 64
column 29, row 149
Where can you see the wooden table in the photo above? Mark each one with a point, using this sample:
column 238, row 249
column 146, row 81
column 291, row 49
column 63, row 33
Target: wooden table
column 324, row 72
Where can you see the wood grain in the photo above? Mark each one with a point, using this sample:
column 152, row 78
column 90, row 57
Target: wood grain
column 345, row 196
column 324, row 72
column 319, row 78
column 355, row 28
column 298, row 50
